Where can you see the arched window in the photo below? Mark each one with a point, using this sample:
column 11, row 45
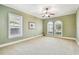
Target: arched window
column 58, row 28
column 50, row 27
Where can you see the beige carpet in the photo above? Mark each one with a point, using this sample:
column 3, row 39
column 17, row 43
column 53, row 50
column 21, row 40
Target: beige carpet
column 42, row 45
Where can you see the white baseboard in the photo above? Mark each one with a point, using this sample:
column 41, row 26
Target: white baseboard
column 18, row 41
column 77, row 42
column 70, row 38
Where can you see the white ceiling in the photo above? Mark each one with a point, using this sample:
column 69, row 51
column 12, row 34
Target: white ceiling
column 36, row 9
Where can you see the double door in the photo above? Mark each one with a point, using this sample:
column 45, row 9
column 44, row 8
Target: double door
column 55, row 28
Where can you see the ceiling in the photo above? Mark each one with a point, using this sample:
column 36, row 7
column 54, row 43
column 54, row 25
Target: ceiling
column 36, row 9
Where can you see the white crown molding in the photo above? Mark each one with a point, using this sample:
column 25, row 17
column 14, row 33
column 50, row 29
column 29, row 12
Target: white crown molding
column 34, row 10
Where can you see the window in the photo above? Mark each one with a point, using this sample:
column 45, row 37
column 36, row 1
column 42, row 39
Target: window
column 14, row 25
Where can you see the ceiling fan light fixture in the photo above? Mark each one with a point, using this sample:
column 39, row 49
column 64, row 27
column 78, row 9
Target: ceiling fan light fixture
column 47, row 12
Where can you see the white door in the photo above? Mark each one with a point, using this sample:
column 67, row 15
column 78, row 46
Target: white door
column 50, row 28
column 58, row 28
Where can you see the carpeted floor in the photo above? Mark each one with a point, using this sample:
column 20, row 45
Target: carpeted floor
column 41, row 46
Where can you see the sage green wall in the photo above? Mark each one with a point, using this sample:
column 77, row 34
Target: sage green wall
column 26, row 18
column 77, row 25
column 69, row 25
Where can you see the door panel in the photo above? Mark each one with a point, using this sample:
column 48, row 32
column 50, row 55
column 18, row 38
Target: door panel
column 58, row 28
column 50, row 28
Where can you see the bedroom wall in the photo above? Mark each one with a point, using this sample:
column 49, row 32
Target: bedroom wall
column 77, row 25
column 69, row 25
column 26, row 18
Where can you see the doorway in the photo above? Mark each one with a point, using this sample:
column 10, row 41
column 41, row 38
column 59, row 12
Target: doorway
column 55, row 28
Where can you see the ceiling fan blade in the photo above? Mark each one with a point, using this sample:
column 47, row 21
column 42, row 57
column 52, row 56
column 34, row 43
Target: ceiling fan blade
column 52, row 14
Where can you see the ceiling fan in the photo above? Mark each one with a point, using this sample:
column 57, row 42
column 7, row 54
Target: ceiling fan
column 47, row 12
